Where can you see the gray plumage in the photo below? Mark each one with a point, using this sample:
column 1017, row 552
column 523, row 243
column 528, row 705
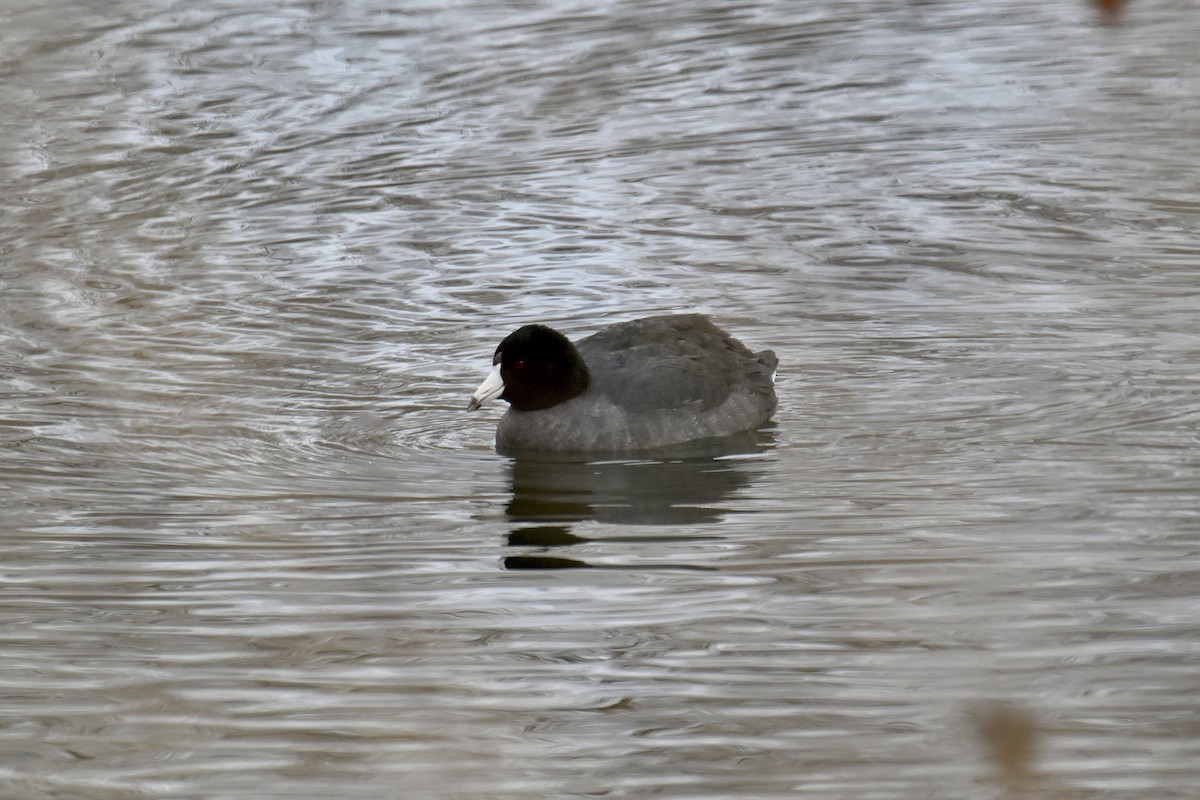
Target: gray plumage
column 648, row 383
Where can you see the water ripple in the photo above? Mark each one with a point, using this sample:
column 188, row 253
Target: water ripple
column 255, row 259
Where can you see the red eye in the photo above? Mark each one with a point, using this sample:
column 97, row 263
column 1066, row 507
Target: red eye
column 519, row 364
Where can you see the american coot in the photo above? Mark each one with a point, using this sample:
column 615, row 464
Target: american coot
column 636, row 385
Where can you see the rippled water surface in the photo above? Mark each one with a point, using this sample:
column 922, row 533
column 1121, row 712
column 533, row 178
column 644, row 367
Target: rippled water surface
column 255, row 256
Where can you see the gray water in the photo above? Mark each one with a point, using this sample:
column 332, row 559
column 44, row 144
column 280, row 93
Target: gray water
column 255, row 256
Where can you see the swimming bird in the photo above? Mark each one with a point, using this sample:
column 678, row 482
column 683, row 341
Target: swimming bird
column 637, row 385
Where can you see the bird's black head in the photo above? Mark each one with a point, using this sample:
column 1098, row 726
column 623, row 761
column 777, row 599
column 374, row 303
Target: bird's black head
column 540, row 368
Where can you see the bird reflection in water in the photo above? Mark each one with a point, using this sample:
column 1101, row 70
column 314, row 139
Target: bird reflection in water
column 687, row 485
